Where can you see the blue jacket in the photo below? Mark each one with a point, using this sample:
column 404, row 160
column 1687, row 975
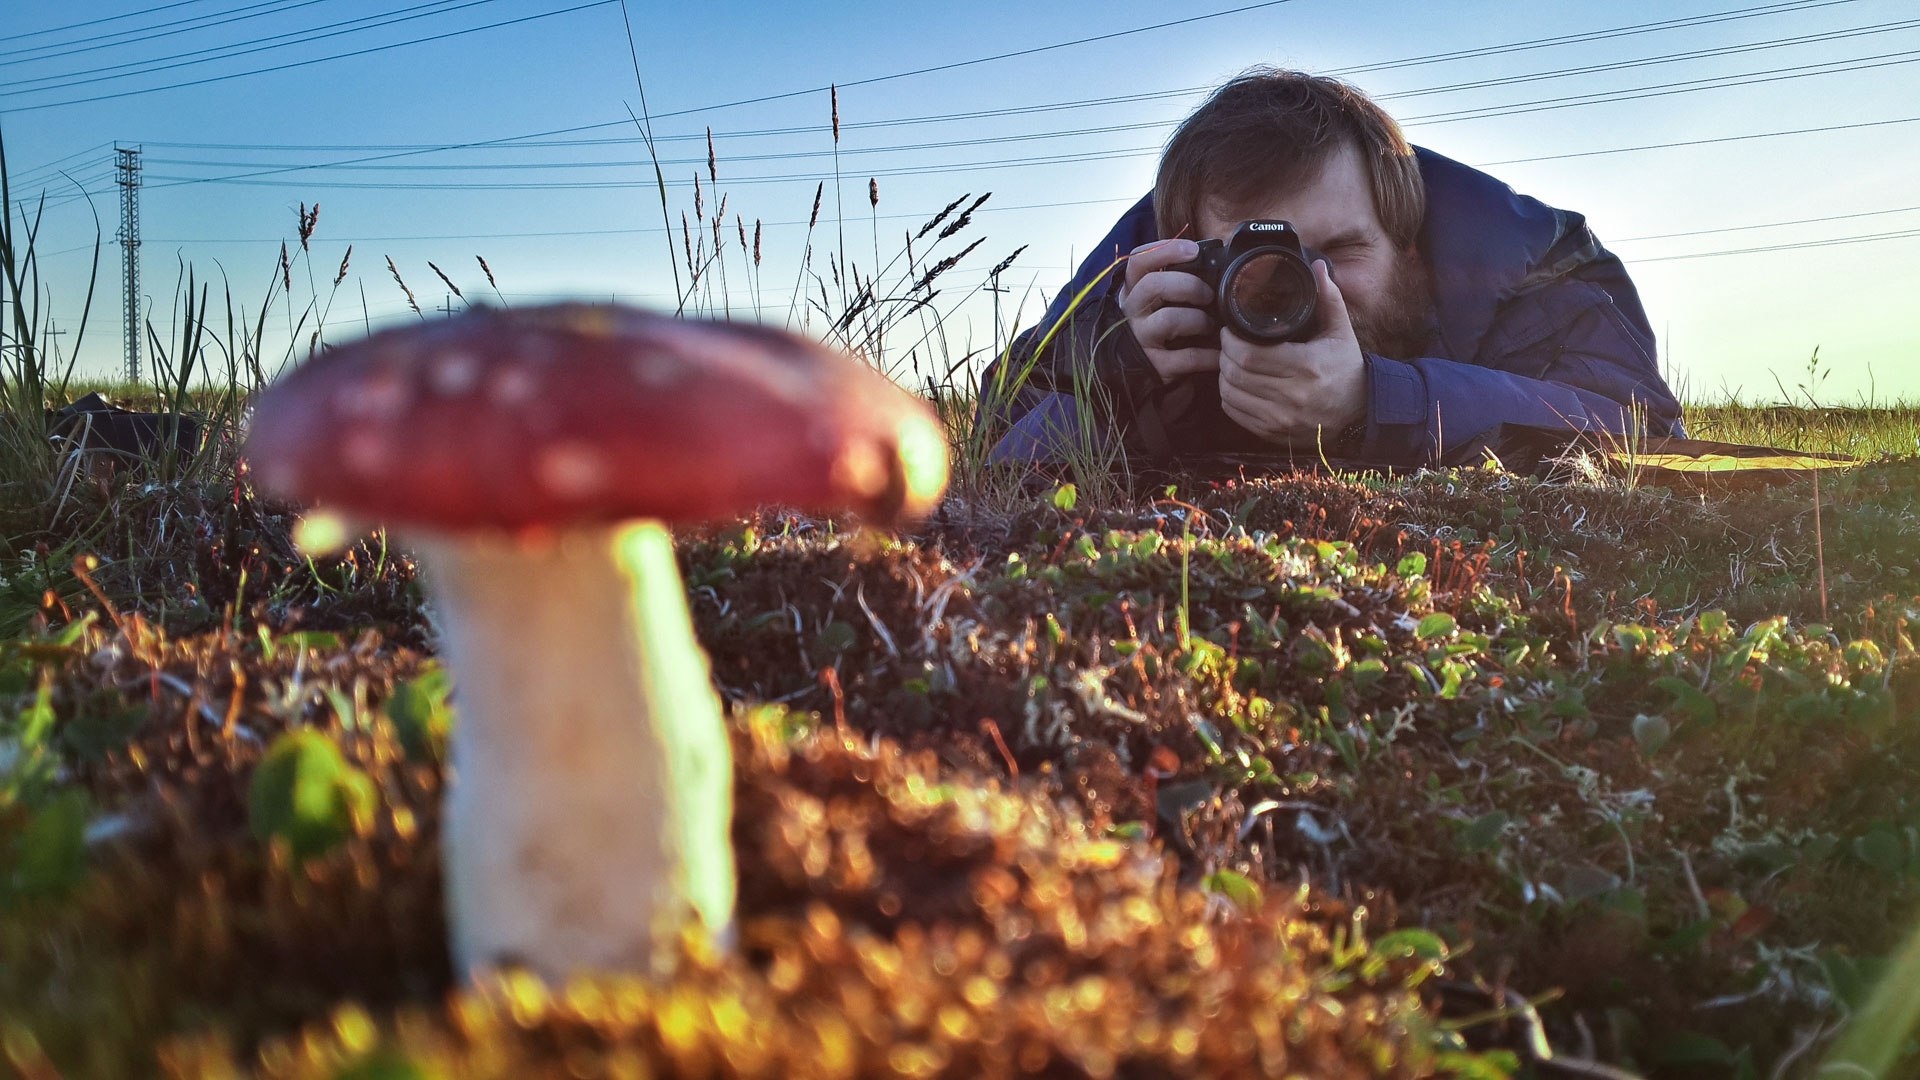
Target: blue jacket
column 1537, row 324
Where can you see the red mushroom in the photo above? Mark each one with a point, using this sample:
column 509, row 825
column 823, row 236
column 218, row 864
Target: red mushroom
column 533, row 459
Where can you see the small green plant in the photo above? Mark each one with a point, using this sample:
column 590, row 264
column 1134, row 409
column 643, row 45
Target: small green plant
column 305, row 793
column 47, row 857
column 422, row 715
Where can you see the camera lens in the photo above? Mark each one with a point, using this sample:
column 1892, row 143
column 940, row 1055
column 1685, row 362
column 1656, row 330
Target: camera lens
column 1271, row 295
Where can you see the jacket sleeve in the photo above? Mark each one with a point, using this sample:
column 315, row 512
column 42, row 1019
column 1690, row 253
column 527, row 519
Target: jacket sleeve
column 1572, row 352
column 1082, row 356
column 1076, row 377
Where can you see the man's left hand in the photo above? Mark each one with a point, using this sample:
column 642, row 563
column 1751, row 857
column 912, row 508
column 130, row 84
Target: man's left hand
column 1297, row 393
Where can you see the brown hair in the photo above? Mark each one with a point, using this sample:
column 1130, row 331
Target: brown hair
column 1269, row 130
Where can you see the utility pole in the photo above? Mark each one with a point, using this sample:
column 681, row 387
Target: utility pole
column 52, row 334
column 128, row 167
column 993, row 286
column 446, row 306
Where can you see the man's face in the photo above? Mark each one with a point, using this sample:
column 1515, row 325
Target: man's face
column 1386, row 288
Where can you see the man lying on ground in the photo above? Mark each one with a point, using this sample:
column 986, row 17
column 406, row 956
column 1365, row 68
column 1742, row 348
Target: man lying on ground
column 1454, row 305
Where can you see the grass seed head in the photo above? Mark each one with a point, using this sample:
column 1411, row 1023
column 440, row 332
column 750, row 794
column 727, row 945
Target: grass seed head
column 400, row 281
column 443, row 277
column 1002, row 265
column 936, row 219
column 308, row 219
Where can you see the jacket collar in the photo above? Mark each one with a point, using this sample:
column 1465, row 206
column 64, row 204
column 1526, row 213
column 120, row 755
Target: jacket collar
column 1481, row 239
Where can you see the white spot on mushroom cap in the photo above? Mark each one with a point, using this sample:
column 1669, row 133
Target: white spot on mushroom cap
column 454, row 374
column 861, row 469
column 364, row 451
column 382, row 396
column 572, row 470
column 276, row 476
column 658, row 370
column 707, row 352
column 513, row 386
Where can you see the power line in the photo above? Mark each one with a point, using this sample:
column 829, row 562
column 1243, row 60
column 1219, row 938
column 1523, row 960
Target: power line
column 1687, row 86
column 1505, row 109
column 526, row 141
column 1770, row 224
column 1510, row 109
column 999, row 139
column 1122, row 154
column 230, row 51
column 1630, row 30
column 315, row 60
column 1705, row 142
column 104, row 19
column 1801, row 246
column 970, row 63
column 924, row 215
column 1669, row 58
column 1147, row 150
column 185, row 26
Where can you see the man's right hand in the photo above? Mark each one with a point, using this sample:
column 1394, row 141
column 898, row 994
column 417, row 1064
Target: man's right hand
column 1166, row 309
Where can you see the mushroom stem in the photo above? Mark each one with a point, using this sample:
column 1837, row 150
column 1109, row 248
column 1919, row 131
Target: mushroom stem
column 591, row 798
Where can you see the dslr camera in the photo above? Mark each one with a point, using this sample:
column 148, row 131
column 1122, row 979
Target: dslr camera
column 1262, row 280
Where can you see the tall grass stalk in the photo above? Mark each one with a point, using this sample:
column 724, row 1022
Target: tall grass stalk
column 29, row 386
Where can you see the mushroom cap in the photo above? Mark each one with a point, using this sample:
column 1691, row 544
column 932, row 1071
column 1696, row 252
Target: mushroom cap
column 573, row 414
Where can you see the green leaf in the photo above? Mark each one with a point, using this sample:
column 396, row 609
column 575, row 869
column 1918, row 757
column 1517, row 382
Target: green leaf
column 1687, row 938
column 1438, row 624
column 1236, row 887
column 421, row 713
column 305, row 792
column 1882, row 848
column 93, row 734
column 1483, row 832
column 1367, row 672
column 36, row 720
column 324, row 640
column 1688, row 698
column 51, row 853
column 1412, row 565
column 1412, row 943
column 837, row 637
column 1489, row 1065
column 1651, row 732
column 1209, row 735
column 1066, row 497
column 387, row 1065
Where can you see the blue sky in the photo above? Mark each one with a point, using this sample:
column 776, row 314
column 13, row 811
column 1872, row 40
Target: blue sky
column 278, row 116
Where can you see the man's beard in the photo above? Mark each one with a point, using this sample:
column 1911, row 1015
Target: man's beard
column 1401, row 324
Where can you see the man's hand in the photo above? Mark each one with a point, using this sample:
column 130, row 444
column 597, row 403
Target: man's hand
column 1297, row 393
column 1165, row 306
